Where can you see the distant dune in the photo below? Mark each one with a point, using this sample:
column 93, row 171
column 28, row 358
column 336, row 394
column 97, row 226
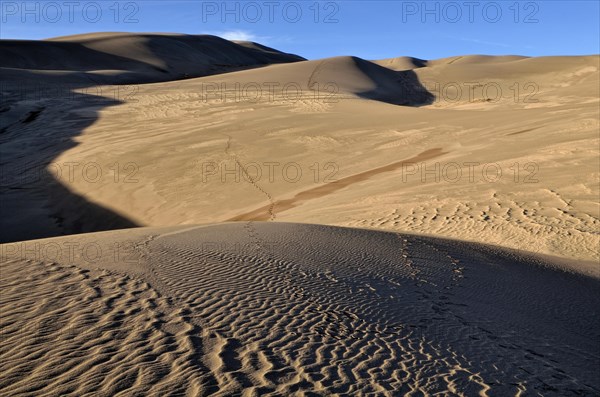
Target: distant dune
column 288, row 309
column 109, row 58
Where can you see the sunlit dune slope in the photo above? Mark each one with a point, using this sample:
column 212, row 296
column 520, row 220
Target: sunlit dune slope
column 499, row 150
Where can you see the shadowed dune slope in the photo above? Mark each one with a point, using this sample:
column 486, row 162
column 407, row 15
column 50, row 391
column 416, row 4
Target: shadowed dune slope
column 290, row 309
column 144, row 57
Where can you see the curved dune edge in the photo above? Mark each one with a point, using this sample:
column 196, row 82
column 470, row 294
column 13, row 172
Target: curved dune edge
column 290, row 309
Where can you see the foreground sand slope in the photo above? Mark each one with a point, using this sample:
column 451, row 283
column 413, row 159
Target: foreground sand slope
column 289, row 309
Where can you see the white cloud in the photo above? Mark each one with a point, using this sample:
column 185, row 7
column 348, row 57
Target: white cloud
column 239, row 35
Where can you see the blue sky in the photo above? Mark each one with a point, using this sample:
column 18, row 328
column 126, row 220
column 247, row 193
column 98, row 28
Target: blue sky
column 368, row 29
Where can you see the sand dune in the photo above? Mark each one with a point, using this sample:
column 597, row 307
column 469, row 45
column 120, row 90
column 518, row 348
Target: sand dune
column 288, row 309
column 535, row 120
column 409, row 63
column 111, row 58
column 330, row 79
column 112, row 131
column 401, row 63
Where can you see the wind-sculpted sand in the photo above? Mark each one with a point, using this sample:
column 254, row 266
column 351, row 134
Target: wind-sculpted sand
column 112, row 131
column 288, row 309
column 198, row 150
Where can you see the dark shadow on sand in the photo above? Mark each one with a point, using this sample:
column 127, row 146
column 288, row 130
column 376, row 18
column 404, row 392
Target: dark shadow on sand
column 394, row 87
column 34, row 202
column 34, row 131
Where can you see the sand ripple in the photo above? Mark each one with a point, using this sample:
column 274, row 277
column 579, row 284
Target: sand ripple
column 289, row 309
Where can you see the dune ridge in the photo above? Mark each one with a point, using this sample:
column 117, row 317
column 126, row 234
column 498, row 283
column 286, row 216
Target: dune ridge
column 127, row 58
